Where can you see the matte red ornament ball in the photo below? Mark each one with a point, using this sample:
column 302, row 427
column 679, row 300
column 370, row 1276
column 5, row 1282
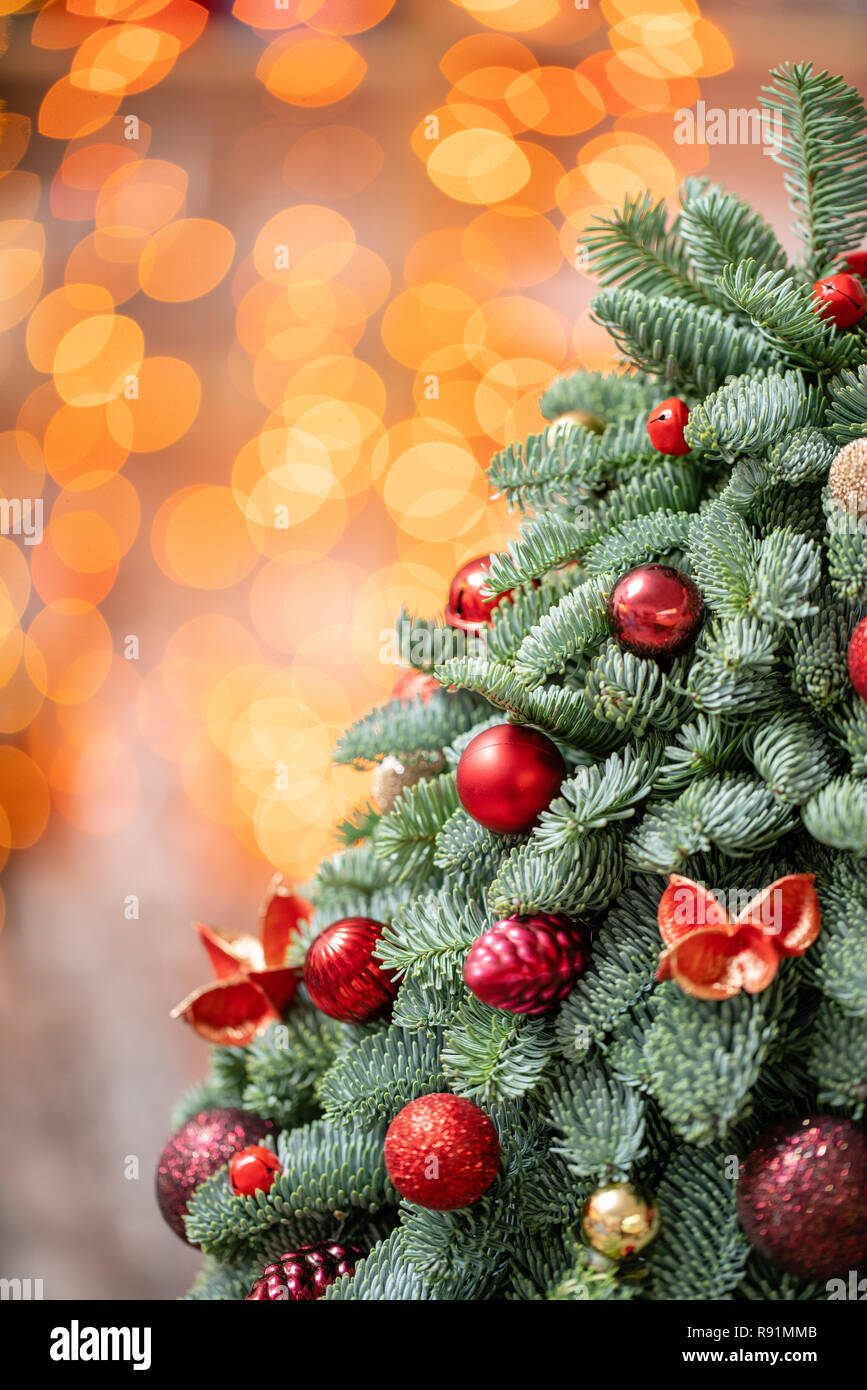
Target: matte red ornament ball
column 195, row 1151
column 527, row 964
column 655, row 610
column 415, row 685
column 856, row 261
column 802, row 1196
column 253, row 1170
column 507, row 775
column 467, row 608
column 856, row 659
column 666, row 426
column 442, row 1152
column 342, row 975
column 841, row 299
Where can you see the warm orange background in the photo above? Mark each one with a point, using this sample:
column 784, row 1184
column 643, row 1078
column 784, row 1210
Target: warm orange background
column 338, row 267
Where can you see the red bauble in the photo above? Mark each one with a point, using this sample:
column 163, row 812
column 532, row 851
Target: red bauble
column 507, row 775
column 654, row 610
column 856, row 659
column 526, row 965
column 666, row 426
column 467, row 608
column 856, row 261
column 253, row 1170
column 342, row 976
column 196, row 1151
column 442, row 1152
column 841, row 299
column 304, row 1274
column 802, row 1196
column 415, row 685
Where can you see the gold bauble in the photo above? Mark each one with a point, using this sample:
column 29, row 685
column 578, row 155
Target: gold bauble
column 392, row 776
column 847, row 480
column 573, row 419
column 619, row 1220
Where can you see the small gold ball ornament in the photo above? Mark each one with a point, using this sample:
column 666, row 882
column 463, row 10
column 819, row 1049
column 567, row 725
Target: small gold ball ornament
column 573, row 419
column 619, row 1220
column 847, row 480
column 392, row 776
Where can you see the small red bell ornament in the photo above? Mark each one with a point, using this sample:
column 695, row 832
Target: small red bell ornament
column 666, row 426
column 253, row 1170
column 841, row 299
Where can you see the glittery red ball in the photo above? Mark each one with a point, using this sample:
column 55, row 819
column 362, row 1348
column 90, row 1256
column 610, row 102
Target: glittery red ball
column 253, row 1170
column 856, row 261
column 442, row 1152
column 856, row 658
column 666, row 426
column 507, row 775
column 841, row 299
column 655, row 610
column 415, row 685
column 802, row 1196
column 343, row 977
column 467, row 608
column 304, row 1274
column 196, row 1151
column 527, row 964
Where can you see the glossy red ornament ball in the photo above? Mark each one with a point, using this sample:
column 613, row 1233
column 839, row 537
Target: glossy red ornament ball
column 666, row 426
column 195, row 1151
column 442, row 1152
column 253, row 1170
column 304, row 1274
column 415, row 685
column 856, row 261
column 507, row 775
column 802, row 1196
column 654, row 610
column 466, row 607
column 841, row 299
column 343, row 977
column 526, row 965
column 856, row 659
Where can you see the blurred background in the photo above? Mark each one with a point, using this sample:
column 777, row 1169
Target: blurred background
column 275, row 281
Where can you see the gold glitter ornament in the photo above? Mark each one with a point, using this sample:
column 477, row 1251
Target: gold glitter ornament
column 391, row 777
column 573, row 419
column 619, row 1220
column 847, row 480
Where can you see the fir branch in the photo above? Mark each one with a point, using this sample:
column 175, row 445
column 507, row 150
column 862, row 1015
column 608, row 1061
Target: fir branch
column 490, row 1056
column 601, row 1120
column 658, row 536
column 598, row 795
column 792, row 757
column 700, row 1252
column 736, row 815
column 784, row 314
column 837, row 815
column 635, row 247
column 751, row 413
column 633, row 693
column 370, row 1083
column 403, row 728
column 570, row 881
column 718, row 230
column 543, row 545
column 407, row 836
column 838, row 1060
column 433, row 933
column 847, row 411
column 613, row 396
column 576, row 622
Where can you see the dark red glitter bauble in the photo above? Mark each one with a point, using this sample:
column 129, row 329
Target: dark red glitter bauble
column 655, row 610
column 342, row 976
column 526, row 965
column 802, row 1196
column 507, row 775
column 856, row 659
column 304, row 1274
column 253, row 1170
column 666, row 426
column 442, row 1152
column 205, row 1143
column 841, row 299
column 467, row 608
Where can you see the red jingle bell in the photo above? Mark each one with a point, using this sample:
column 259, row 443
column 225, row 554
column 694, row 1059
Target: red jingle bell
column 442, row 1152
column 526, row 965
column 507, row 775
column 856, row 261
column 415, row 685
column 467, row 608
column 856, row 659
column 666, row 426
column 654, row 610
column 343, row 978
column 840, row 299
column 253, row 1170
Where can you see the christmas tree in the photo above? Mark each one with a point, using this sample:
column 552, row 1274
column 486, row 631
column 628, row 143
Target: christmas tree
column 586, row 986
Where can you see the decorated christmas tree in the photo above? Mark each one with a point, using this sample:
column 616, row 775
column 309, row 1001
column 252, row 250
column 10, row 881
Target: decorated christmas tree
column 579, row 1008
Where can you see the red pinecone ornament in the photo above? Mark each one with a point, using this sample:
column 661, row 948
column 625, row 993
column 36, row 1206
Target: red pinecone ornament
column 196, row 1151
column 802, row 1196
column 840, row 298
column 526, row 965
column 507, row 775
column 654, row 610
column 666, row 426
column 253, row 1170
column 342, row 976
column 467, row 608
column 304, row 1274
column 442, row 1152
column 856, row 659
